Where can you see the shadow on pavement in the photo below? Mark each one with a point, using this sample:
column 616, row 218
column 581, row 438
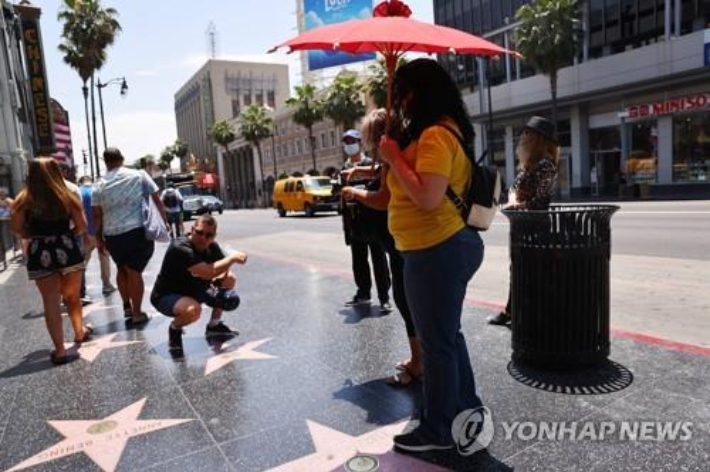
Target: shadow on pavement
column 607, row 377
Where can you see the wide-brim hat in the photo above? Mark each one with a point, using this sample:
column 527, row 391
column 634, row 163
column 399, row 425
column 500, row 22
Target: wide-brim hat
column 543, row 127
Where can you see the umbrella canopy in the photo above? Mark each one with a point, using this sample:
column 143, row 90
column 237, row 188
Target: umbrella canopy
column 392, row 33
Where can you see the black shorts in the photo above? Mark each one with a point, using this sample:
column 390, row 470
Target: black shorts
column 130, row 249
column 58, row 254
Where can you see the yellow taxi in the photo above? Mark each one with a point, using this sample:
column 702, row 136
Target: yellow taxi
column 307, row 194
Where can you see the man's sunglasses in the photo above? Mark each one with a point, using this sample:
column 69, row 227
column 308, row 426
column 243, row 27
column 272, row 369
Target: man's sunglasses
column 203, row 233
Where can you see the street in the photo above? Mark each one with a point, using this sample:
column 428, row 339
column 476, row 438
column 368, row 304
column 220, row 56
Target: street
column 660, row 254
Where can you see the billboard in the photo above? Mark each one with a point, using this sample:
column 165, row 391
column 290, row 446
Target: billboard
column 327, row 12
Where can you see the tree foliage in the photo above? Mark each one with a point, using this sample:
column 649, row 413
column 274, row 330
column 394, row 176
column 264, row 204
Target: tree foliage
column 548, row 38
column 343, row 101
column 88, row 30
column 255, row 124
column 222, row 133
column 308, row 110
column 377, row 83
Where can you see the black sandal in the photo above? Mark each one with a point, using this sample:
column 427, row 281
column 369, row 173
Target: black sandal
column 140, row 321
column 501, row 319
column 403, row 377
column 88, row 331
column 61, row 360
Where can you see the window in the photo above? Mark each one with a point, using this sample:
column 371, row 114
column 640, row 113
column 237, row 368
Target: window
column 323, row 143
column 332, row 138
column 236, row 109
column 691, row 148
column 642, row 164
column 247, row 99
column 299, row 186
column 260, row 98
column 271, row 98
column 299, row 150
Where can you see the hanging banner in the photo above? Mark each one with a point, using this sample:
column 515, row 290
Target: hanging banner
column 327, row 12
column 37, row 75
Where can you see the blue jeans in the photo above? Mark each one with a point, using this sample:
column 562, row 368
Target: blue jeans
column 435, row 281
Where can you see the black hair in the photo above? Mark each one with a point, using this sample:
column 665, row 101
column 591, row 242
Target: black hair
column 112, row 155
column 434, row 96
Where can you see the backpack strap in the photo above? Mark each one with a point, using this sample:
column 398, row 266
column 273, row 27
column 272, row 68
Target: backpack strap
column 459, row 202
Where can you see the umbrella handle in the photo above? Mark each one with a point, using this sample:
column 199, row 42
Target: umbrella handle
column 391, row 63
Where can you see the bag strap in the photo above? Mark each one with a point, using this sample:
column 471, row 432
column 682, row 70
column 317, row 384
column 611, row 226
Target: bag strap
column 459, row 202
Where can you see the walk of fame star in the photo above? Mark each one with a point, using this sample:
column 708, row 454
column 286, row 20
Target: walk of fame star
column 334, row 449
column 93, row 308
column 89, row 351
column 247, row 351
column 103, row 440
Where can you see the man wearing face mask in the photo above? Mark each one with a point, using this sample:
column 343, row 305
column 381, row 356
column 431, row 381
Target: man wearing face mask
column 355, row 227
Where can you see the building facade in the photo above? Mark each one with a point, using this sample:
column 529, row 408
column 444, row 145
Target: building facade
column 220, row 90
column 634, row 106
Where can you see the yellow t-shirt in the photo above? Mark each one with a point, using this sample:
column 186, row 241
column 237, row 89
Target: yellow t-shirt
column 436, row 151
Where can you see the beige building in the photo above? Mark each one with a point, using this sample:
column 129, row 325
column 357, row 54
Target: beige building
column 221, row 90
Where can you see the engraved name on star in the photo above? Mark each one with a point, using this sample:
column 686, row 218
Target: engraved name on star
column 103, row 440
column 247, row 351
column 89, row 351
column 334, row 449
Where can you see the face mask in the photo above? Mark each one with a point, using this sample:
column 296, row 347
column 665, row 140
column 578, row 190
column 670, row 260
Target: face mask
column 351, row 149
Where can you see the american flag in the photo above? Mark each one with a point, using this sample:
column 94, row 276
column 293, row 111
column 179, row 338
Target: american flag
column 62, row 136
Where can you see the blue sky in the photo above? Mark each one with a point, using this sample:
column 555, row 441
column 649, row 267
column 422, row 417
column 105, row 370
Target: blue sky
column 162, row 44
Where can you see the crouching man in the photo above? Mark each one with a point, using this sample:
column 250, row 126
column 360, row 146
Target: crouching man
column 196, row 271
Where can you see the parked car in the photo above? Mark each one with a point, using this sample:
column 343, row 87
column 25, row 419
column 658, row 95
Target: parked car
column 193, row 205
column 307, row 194
column 213, row 203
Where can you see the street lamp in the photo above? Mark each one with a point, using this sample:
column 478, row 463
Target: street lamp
column 124, row 91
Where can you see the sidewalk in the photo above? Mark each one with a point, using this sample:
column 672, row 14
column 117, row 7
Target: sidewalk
column 302, row 389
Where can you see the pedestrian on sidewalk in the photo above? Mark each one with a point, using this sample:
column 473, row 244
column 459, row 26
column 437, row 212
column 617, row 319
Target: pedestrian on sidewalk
column 441, row 254
column 195, row 270
column 86, row 183
column 50, row 216
column 172, row 200
column 377, row 196
column 117, row 202
column 355, row 228
column 538, row 153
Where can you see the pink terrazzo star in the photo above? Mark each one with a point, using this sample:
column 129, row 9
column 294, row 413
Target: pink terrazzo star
column 334, row 449
column 102, row 440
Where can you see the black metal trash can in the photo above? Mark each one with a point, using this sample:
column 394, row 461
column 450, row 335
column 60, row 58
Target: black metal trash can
column 560, row 284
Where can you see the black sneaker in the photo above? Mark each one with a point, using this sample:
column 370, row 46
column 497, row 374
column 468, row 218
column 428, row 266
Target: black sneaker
column 358, row 300
column 220, row 329
column 174, row 339
column 385, row 307
column 413, row 442
column 501, row 319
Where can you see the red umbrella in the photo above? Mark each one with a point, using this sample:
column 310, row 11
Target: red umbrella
column 392, row 33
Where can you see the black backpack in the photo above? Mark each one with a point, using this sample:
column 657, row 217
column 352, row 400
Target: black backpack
column 479, row 204
column 170, row 199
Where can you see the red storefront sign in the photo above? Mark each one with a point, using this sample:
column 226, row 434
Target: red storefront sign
column 666, row 107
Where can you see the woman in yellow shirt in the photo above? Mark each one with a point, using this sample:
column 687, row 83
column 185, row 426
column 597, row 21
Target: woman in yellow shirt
column 441, row 254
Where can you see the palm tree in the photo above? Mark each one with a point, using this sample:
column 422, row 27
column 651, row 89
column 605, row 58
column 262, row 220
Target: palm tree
column 180, row 149
column 343, row 102
column 548, row 38
column 308, row 112
column 88, row 30
column 377, row 83
column 145, row 162
column 166, row 157
column 222, row 133
column 255, row 127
